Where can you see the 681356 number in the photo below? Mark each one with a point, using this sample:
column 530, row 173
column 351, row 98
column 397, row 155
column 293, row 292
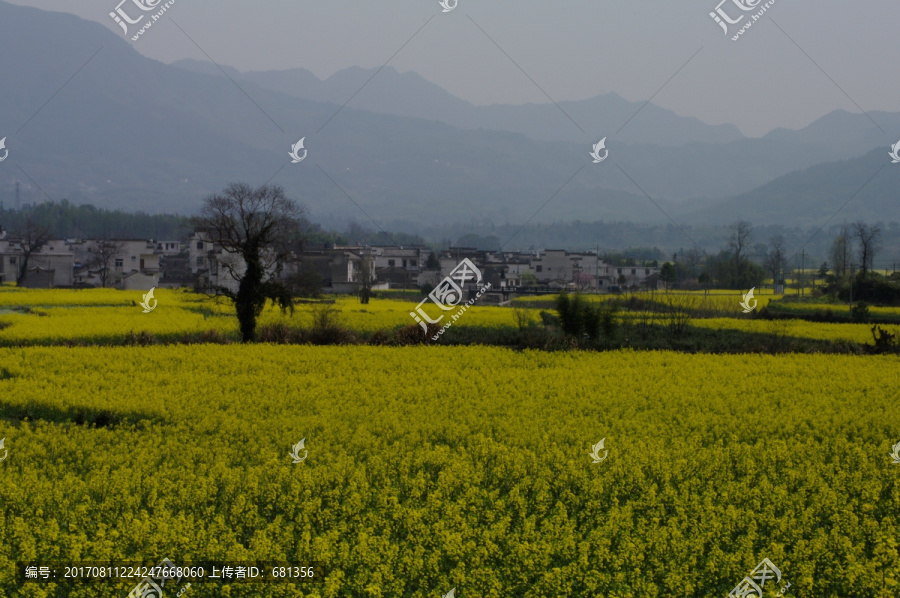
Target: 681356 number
column 298, row 572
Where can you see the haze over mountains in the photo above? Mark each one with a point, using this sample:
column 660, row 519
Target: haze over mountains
column 129, row 132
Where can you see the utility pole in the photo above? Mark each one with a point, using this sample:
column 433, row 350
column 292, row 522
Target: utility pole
column 851, row 288
column 802, row 270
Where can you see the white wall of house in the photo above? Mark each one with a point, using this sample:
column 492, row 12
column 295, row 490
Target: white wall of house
column 410, row 260
column 198, row 249
column 8, row 262
column 220, row 272
column 137, row 281
column 562, row 266
column 634, row 275
column 219, row 264
column 168, row 247
column 136, row 255
column 59, row 262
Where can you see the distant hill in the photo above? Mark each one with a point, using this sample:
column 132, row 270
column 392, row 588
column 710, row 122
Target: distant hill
column 131, row 133
column 409, row 94
column 813, row 195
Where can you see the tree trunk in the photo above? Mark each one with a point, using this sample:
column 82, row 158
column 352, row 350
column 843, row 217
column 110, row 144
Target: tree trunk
column 248, row 298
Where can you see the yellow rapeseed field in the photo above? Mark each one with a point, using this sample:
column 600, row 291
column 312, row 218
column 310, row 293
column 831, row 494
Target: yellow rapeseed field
column 107, row 316
column 725, row 301
column 436, row 467
column 101, row 315
column 857, row 333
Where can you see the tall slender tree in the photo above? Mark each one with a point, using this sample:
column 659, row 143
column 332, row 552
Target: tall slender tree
column 775, row 259
column 740, row 233
column 868, row 237
column 841, row 249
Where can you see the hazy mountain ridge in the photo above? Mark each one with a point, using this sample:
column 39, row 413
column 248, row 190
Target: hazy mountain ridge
column 130, row 132
column 861, row 188
column 409, row 94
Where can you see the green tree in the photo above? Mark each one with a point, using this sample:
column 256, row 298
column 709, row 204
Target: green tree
column 704, row 279
column 527, row 279
column 667, row 273
column 579, row 317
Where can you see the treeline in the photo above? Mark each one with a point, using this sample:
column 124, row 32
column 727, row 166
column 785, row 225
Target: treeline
column 356, row 234
column 664, row 240
column 64, row 220
column 849, row 273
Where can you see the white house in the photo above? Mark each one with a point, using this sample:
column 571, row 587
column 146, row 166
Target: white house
column 217, row 268
column 50, row 267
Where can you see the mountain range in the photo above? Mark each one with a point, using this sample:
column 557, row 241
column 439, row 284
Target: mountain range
column 89, row 119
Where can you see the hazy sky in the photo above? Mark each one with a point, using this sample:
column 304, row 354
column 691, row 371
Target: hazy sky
column 572, row 50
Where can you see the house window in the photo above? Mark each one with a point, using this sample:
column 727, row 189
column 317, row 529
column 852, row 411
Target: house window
column 404, row 263
column 200, row 260
column 120, row 263
column 199, row 244
column 391, row 263
column 634, row 270
column 412, row 263
column 540, row 268
column 647, row 271
column 620, row 270
column 12, row 261
column 133, row 258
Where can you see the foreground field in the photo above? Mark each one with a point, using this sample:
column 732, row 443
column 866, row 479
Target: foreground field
column 432, row 467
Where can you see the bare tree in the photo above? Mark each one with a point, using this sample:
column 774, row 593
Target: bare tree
column 258, row 226
column 32, row 238
column 775, row 260
column 840, row 252
column 691, row 259
column 678, row 310
column 868, row 236
column 103, row 259
column 739, row 239
column 738, row 243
